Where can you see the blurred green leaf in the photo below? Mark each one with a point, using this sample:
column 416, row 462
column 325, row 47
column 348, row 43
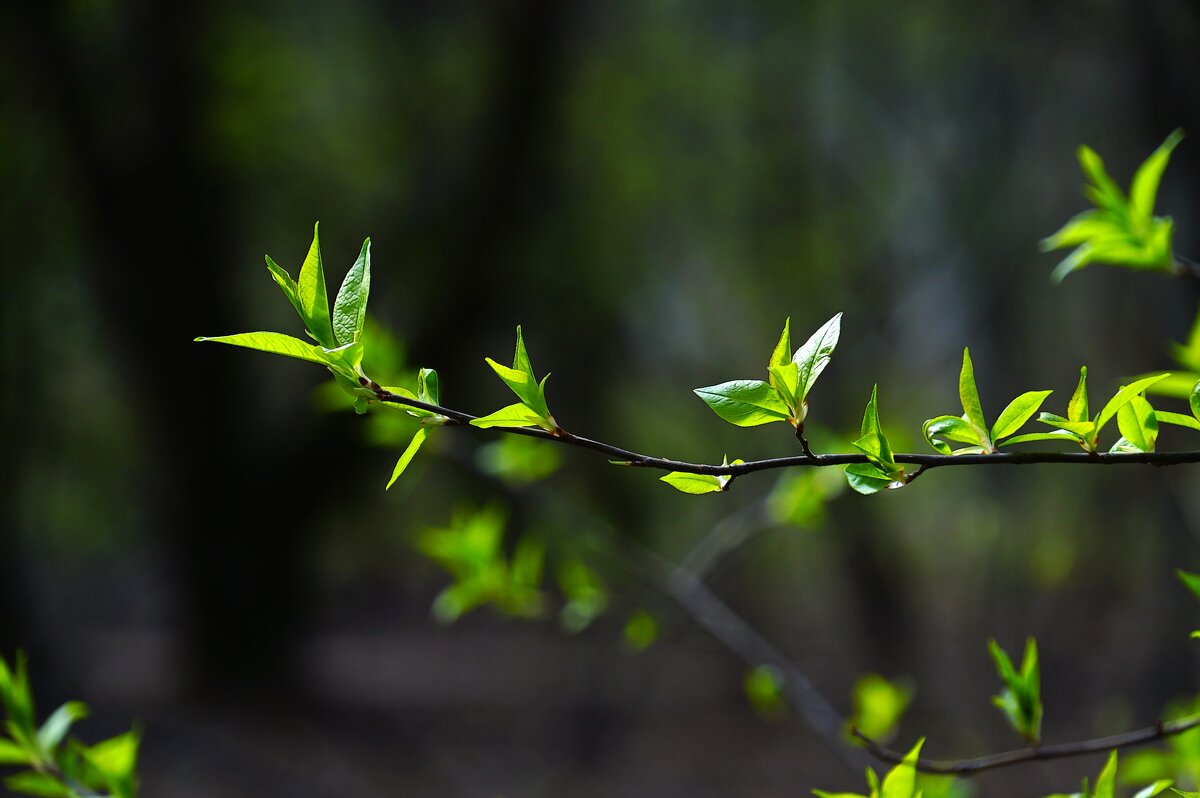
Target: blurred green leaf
column 59, row 723
column 587, row 598
column 878, row 706
column 1021, row 699
column 746, row 403
column 33, row 783
column 640, row 631
column 764, row 687
column 350, row 307
column 518, row 460
column 1119, row 231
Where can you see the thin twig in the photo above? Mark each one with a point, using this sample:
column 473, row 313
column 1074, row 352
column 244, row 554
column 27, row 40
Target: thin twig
column 969, row 767
column 926, row 461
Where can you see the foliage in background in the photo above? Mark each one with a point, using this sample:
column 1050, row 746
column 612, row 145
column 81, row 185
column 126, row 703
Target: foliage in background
column 55, row 764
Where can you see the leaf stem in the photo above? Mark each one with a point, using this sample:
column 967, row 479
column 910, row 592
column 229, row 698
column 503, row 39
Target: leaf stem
column 969, row 767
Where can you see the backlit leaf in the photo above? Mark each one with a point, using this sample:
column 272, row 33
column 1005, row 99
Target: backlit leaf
column 276, row 343
column 693, row 483
column 314, row 299
column 969, row 395
column 814, row 355
column 1019, row 411
column 407, row 455
column 746, row 403
column 350, row 307
column 1145, row 181
column 512, row 416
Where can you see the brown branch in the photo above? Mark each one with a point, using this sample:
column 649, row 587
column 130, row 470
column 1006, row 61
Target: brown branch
column 925, row 461
column 969, row 767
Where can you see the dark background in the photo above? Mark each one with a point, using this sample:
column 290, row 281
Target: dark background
column 649, row 188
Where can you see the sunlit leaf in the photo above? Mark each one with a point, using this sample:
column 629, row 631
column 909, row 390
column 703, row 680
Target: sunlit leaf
column 746, row 403
column 1019, row 411
column 901, row 781
column 968, row 394
column 814, row 355
column 276, row 343
column 512, row 416
column 693, row 483
column 938, row 432
column 1144, row 188
column 1123, row 396
column 878, row 705
column 59, row 723
column 406, row 457
column 350, row 307
column 312, row 294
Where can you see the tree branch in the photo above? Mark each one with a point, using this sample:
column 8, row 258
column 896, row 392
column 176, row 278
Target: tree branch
column 969, row 767
column 925, row 461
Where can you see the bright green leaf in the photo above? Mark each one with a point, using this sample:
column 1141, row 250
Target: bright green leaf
column 1021, row 699
column 693, row 483
column 1107, row 779
column 1019, row 411
column 764, row 686
column 1058, row 435
column 1194, row 400
column 116, row 756
column 866, row 478
column 1191, row 581
column 878, row 705
column 1138, row 424
column 872, row 442
column 311, row 291
column 940, row 431
column 968, row 394
column 521, row 381
column 286, row 284
column 427, row 387
column 785, row 379
column 1123, row 396
column 350, row 307
column 59, row 723
column 1154, row 789
column 640, row 631
column 12, row 754
column 780, row 356
column 1077, row 408
column 33, row 783
column 1144, row 188
column 745, row 403
column 406, row 457
column 901, row 781
column 512, row 416
column 276, row 343
column 814, row 355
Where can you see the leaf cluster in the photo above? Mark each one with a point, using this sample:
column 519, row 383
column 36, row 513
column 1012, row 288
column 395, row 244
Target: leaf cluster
column 56, row 765
column 1021, row 698
column 1120, row 230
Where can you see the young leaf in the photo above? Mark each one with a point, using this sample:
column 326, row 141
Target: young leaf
column 901, row 781
column 276, row 343
column 969, row 395
column 1021, row 699
column 872, row 442
column 518, row 415
column 521, row 381
column 1138, row 424
column 1077, row 408
column 427, row 387
column 693, row 483
column 1190, row 581
column 779, row 357
column 867, row 479
column 1154, row 789
column 314, row 300
column 286, row 284
column 1194, row 400
column 350, row 307
column 785, row 380
column 745, row 403
column 1107, row 779
column 33, row 783
column 406, row 457
column 1144, row 188
column 940, row 431
column 59, row 723
column 1178, row 419
column 1123, row 396
column 814, row 355
column 1057, row 435
column 1019, row 411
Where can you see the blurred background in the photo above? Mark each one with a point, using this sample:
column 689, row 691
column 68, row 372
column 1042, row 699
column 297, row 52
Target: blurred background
column 198, row 537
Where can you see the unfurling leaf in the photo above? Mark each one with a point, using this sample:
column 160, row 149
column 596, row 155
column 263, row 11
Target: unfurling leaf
column 350, row 307
column 815, row 354
column 881, row 472
column 521, row 382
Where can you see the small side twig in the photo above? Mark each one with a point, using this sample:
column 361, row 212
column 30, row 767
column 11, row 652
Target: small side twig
column 969, row 767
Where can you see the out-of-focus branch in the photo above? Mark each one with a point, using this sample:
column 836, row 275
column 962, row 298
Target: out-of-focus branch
column 968, row 767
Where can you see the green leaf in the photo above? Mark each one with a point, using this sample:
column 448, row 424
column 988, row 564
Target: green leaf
column 780, row 357
column 518, row 415
column 33, row 783
column 814, row 355
column 1194, row 400
column 1093, row 168
column 1077, row 408
column 1019, row 411
column 693, row 483
column 1187, row 354
column 276, row 343
column 1106, row 781
column 1058, row 435
column 587, row 598
column 1154, row 789
column 287, row 285
column 1138, row 423
column 314, row 299
column 1144, row 188
column 745, row 403
column 872, row 442
column 427, row 387
column 116, row 756
column 1021, row 700
column 406, row 457
column 12, row 754
column 640, row 631
column 59, row 723
column 1123, row 396
column 878, row 705
column 940, row 431
column 785, row 380
column 866, row 479
column 969, row 395
column 521, row 381
column 764, row 686
column 350, row 307
column 1190, row 581
column 901, row 781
